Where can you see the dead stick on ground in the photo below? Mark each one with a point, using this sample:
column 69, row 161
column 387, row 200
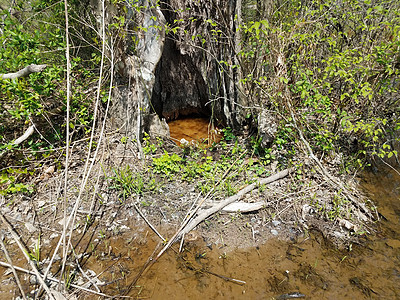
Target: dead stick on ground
column 11, row 265
column 54, row 280
column 206, row 213
column 86, row 276
column 147, row 221
column 25, row 251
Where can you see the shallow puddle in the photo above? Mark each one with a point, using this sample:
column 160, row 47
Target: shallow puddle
column 309, row 267
column 194, row 129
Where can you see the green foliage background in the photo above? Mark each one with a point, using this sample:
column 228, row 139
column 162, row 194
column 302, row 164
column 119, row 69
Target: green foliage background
column 33, row 32
column 335, row 64
column 341, row 62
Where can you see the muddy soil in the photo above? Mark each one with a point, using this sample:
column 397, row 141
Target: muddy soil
column 284, row 248
column 309, row 265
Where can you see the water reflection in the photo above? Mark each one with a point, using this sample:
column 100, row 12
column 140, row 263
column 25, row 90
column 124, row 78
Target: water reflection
column 311, row 266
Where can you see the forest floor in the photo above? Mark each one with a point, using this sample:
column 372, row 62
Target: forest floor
column 125, row 194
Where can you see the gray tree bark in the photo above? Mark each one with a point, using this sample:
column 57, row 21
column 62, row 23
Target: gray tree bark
column 207, row 44
column 189, row 70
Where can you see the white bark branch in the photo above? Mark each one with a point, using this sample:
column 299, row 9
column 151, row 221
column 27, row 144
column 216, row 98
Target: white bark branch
column 243, row 207
column 24, row 72
column 27, row 134
column 208, row 212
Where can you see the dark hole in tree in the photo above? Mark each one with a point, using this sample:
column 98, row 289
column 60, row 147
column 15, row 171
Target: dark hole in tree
column 180, row 96
column 179, row 88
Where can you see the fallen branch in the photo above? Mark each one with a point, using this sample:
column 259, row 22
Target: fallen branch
column 24, row 72
column 3, row 264
column 26, row 134
column 22, row 138
column 11, row 266
column 208, row 212
column 243, row 207
column 25, row 251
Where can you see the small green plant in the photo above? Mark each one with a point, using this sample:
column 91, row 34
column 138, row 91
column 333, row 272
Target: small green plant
column 124, row 139
column 148, row 146
column 128, row 182
column 101, row 234
column 34, row 255
column 69, row 277
column 255, row 142
column 229, row 136
column 338, row 208
column 167, row 165
column 9, row 182
column 229, row 188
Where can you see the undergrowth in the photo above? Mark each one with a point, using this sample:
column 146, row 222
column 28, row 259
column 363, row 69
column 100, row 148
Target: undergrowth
column 234, row 168
column 33, row 32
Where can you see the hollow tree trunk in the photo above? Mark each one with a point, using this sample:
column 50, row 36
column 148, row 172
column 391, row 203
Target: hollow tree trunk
column 188, row 70
column 204, row 48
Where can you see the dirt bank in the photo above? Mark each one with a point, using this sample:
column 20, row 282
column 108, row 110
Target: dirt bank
column 124, row 196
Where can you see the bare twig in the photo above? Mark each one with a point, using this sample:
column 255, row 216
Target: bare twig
column 55, row 280
column 88, row 166
column 25, row 251
column 148, row 222
column 99, row 141
column 11, row 265
column 86, row 276
column 237, row 281
column 398, row 173
column 65, row 202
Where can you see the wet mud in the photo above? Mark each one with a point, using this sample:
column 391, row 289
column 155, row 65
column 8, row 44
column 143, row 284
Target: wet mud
column 308, row 267
column 311, row 266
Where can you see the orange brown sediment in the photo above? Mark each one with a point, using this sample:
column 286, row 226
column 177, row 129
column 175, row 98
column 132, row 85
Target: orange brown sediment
column 194, row 130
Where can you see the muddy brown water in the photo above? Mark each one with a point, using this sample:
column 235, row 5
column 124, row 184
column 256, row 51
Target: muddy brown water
column 194, row 129
column 311, row 266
